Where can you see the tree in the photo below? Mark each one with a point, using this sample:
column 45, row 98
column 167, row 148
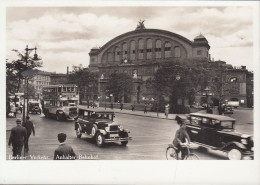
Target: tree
column 120, row 85
column 86, row 81
column 179, row 81
column 15, row 69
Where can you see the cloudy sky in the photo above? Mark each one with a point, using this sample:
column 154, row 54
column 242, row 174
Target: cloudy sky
column 65, row 35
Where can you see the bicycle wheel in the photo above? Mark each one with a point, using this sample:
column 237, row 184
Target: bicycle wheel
column 192, row 156
column 171, row 154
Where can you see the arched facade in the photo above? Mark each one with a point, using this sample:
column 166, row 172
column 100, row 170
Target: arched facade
column 139, row 53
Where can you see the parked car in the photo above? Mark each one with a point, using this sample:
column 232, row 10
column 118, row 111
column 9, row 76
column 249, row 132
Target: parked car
column 234, row 104
column 228, row 109
column 34, row 108
column 217, row 132
column 100, row 125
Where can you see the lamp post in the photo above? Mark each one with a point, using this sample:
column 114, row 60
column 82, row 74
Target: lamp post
column 28, row 73
column 207, row 93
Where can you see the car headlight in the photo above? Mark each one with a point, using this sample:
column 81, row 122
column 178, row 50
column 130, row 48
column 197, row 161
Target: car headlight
column 244, row 141
column 107, row 129
column 120, row 127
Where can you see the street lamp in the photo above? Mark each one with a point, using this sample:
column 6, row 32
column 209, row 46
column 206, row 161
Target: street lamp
column 207, row 93
column 28, row 73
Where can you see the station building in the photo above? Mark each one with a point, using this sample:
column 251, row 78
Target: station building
column 141, row 52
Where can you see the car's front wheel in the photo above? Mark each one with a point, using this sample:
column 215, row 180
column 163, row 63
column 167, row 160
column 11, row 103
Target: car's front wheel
column 100, row 139
column 234, row 154
column 124, row 143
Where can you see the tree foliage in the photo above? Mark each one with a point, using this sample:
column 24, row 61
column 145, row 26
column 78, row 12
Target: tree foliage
column 86, row 80
column 120, row 84
column 180, row 80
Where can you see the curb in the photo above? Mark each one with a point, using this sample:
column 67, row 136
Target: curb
column 145, row 115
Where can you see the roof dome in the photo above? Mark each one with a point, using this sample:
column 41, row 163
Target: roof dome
column 200, row 36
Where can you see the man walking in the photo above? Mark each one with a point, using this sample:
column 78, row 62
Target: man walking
column 29, row 128
column 17, row 138
column 64, row 151
column 167, row 108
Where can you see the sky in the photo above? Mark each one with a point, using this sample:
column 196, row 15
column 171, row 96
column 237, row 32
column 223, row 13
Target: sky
column 65, row 35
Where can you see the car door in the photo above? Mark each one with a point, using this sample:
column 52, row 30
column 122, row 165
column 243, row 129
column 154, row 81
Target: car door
column 194, row 129
column 210, row 135
column 84, row 122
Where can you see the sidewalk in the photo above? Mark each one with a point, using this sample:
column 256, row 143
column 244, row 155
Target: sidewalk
column 11, row 122
column 141, row 113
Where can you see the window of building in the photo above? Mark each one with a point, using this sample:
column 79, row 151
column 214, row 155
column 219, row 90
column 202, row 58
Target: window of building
column 132, row 48
column 149, row 46
column 117, row 56
column 124, row 50
column 158, row 48
column 177, row 52
column 167, row 50
column 109, row 57
column 141, row 47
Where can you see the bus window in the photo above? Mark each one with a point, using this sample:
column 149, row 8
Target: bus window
column 59, row 89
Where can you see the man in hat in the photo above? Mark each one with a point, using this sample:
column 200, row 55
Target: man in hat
column 29, row 128
column 17, row 138
column 64, row 151
column 180, row 138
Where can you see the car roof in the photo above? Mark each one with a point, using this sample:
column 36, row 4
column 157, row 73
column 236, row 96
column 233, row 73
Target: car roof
column 97, row 110
column 213, row 116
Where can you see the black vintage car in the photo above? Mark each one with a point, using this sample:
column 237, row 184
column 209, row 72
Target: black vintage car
column 99, row 124
column 34, row 108
column 217, row 132
column 228, row 109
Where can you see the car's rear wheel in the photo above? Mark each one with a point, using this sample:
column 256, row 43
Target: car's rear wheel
column 100, row 139
column 234, row 154
column 78, row 133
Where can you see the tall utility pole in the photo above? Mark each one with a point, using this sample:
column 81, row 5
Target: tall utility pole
column 26, row 74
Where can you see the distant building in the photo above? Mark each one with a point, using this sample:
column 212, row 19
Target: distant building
column 58, row 78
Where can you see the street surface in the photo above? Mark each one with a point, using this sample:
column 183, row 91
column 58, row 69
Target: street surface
column 151, row 137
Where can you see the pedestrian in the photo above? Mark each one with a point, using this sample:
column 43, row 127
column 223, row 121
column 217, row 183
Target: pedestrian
column 145, row 108
column 121, row 106
column 17, row 138
column 220, row 109
column 167, row 108
column 29, row 129
column 64, row 151
column 133, row 107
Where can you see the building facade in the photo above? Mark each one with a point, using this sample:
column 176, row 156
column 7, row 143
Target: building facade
column 141, row 52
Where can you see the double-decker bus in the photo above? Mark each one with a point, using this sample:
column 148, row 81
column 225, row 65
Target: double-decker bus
column 60, row 101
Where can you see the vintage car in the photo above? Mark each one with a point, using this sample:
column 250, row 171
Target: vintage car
column 228, row 109
column 34, row 108
column 100, row 125
column 217, row 132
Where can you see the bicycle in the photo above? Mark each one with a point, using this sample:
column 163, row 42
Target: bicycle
column 171, row 153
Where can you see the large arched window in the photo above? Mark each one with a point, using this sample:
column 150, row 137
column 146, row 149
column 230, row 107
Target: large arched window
column 132, row 50
column 167, row 49
column 177, row 52
column 124, row 51
column 149, row 46
column 109, row 57
column 158, row 48
column 117, row 54
column 141, row 49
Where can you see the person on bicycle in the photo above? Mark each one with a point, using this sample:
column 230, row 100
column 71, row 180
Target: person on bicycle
column 180, row 138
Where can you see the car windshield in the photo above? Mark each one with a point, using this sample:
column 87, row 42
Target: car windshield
column 227, row 124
